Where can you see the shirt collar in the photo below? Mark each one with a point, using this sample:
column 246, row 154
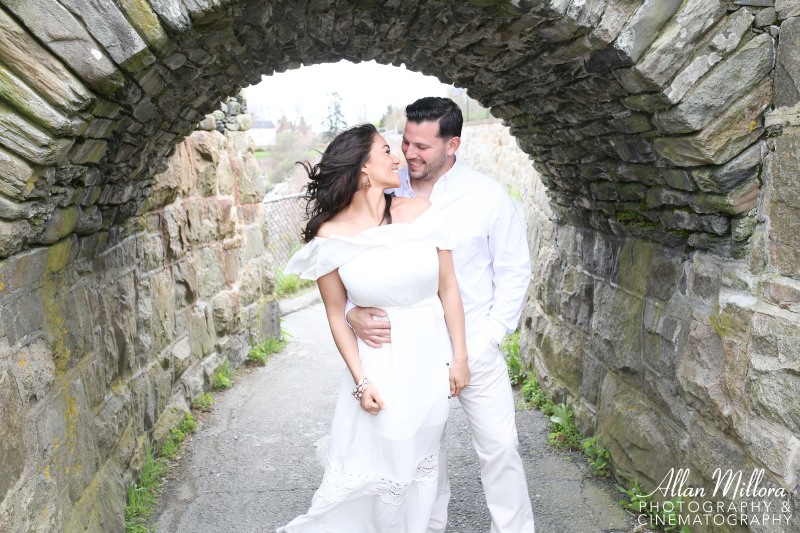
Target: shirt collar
column 444, row 180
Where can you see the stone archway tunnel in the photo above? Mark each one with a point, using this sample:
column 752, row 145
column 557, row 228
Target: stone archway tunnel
column 664, row 232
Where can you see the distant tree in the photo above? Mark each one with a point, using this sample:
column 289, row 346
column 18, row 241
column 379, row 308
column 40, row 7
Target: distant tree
column 334, row 122
column 394, row 118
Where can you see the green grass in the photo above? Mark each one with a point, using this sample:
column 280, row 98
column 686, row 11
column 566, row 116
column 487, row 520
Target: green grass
column 169, row 450
column 260, row 353
column 142, row 495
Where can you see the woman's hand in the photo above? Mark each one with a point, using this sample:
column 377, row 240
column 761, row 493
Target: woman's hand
column 459, row 375
column 371, row 401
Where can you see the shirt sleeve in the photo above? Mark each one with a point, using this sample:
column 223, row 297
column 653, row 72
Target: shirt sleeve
column 508, row 245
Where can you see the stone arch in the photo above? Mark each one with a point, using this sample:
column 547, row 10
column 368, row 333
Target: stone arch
column 627, row 108
column 660, row 128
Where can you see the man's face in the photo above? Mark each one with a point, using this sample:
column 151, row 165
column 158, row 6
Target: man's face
column 427, row 154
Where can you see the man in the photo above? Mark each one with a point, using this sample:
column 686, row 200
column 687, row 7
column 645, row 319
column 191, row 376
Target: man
column 493, row 270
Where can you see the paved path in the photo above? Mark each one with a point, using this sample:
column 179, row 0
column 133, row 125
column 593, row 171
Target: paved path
column 256, row 460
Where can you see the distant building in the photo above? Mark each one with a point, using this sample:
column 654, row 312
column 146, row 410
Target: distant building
column 263, row 132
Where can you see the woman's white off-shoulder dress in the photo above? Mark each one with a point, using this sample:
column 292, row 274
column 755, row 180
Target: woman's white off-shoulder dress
column 382, row 469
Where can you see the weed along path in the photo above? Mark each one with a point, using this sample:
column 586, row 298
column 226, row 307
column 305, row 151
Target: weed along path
column 258, row 456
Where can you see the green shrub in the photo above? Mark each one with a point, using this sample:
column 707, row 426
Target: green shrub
column 203, row 402
column 224, row 378
column 597, row 456
column 510, row 349
column 564, row 433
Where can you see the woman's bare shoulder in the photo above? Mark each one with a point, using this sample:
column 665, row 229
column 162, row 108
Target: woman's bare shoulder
column 406, row 210
column 330, row 227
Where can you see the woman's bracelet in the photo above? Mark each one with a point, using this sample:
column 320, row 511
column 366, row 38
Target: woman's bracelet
column 359, row 389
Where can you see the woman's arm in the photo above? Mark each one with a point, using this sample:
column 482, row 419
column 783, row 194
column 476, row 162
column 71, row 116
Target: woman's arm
column 454, row 317
column 334, row 297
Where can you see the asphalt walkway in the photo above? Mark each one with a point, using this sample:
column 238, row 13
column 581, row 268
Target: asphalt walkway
column 257, row 458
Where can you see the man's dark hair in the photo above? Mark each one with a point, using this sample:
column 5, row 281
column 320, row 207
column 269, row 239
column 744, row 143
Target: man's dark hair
column 435, row 108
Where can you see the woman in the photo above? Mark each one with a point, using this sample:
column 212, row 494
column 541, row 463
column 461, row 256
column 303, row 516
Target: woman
column 392, row 253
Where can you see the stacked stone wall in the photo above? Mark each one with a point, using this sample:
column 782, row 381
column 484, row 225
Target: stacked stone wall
column 678, row 359
column 108, row 339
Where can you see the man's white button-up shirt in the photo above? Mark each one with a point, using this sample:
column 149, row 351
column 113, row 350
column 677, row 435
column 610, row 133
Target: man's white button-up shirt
column 491, row 257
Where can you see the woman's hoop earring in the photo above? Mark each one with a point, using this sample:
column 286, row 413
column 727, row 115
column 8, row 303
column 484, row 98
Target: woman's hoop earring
column 367, row 184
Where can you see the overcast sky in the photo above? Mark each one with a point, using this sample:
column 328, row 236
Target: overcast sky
column 366, row 90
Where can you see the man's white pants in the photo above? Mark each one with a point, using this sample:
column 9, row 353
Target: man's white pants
column 488, row 403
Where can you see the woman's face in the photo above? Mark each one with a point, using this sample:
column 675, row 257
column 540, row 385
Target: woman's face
column 381, row 166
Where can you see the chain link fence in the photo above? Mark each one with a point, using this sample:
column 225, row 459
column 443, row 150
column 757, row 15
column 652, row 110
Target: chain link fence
column 285, row 218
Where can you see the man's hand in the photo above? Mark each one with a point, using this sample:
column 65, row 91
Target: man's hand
column 373, row 332
column 459, row 376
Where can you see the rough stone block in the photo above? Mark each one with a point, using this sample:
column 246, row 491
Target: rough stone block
column 728, row 81
column 725, row 178
column 765, row 18
column 633, row 148
column 145, row 21
column 13, row 445
column 721, row 42
column 784, row 234
column 740, row 200
column 713, row 448
column 17, row 177
column 783, row 292
column 111, row 29
column 787, row 68
column 678, row 179
column 110, row 422
column 664, row 340
column 724, row 137
column 775, row 360
column 89, row 151
column 35, row 372
column 101, row 506
column 200, row 326
column 635, row 435
column 30, row 141
column 49, row 21
column 711, row 374
column 657, row 197
column 40, row 70
column 616, row 319
column 19, row 95
column 561, row 354
column 60, row 224
column 163, row 306
column 14, row 236
column 787, row 9
column 643, row 28
column 674, row 46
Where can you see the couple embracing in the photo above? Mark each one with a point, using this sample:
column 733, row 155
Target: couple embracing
column 422, row 273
